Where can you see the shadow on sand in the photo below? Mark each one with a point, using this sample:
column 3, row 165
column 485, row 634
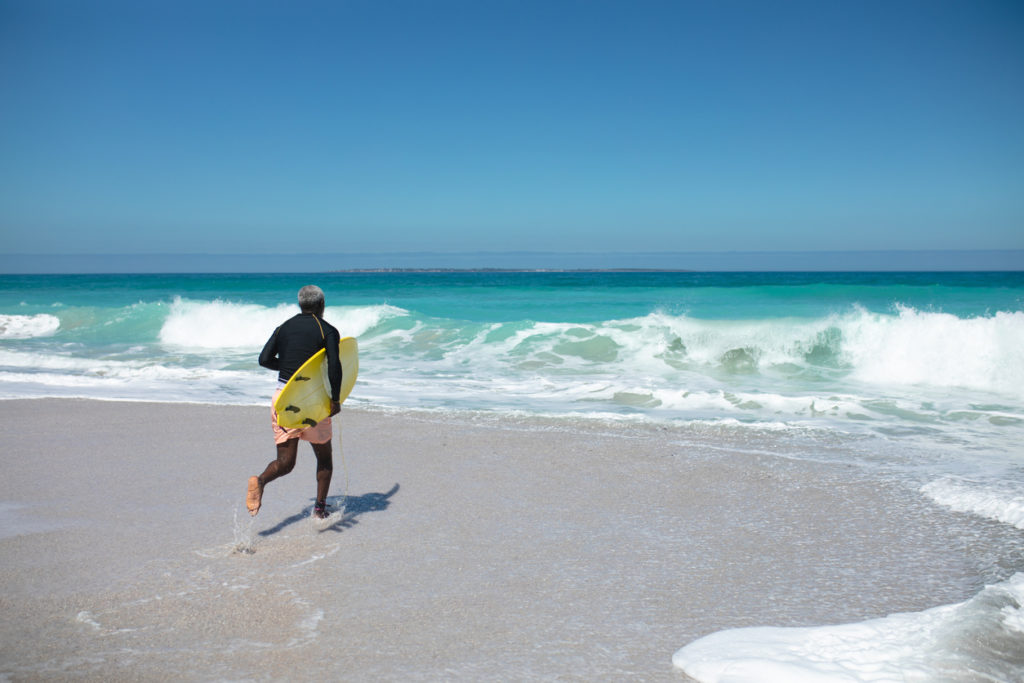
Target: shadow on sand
column 353, row 507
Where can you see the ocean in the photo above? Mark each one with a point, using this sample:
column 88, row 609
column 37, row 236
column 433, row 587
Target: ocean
column 914, row 378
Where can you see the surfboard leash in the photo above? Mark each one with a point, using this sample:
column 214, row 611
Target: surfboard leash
column 341, row 454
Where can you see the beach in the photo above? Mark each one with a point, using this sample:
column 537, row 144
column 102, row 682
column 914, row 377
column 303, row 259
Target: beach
column 685, row 341
column 471, row 546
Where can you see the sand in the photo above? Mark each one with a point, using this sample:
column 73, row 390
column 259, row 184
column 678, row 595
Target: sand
column 471, row 547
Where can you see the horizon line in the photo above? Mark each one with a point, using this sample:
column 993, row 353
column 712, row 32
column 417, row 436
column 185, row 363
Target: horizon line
column 863, row 260
column 545, row 252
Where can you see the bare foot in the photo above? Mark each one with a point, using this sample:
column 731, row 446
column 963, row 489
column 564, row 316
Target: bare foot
column 254, row 497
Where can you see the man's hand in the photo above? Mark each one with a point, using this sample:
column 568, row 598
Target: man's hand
column 335, row 408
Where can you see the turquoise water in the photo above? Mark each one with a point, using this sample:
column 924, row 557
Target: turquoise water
column 656, row 343
column 934, row 358
column 570, row 297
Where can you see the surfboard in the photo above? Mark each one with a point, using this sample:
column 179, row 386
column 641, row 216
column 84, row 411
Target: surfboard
column 306, row 398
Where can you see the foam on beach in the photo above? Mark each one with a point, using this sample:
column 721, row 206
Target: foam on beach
column 997, row 501
column 979, row 639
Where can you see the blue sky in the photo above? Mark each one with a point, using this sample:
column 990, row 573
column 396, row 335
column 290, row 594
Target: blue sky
column 375, row 126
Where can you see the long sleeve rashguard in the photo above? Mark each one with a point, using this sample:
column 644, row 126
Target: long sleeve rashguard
column 295, row 341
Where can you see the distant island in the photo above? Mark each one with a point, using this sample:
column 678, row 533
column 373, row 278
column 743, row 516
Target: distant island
column 511, row 270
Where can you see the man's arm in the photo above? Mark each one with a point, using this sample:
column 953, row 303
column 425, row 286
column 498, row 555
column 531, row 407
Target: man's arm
column 333, row 363
column 268, row 356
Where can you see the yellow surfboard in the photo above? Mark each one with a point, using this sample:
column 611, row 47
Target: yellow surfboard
column 306, row 398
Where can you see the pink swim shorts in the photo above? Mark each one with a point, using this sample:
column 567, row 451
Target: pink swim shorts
column 321, row 433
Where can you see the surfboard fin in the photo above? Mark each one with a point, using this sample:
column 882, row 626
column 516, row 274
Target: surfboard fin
column 302, row 378
column 293, row 409
column 310, row 422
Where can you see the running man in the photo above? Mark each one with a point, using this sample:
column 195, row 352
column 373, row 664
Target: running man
column 291, row 345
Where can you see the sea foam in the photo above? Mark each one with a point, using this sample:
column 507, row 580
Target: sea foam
column 992, row 500
column 905, row 371
column 221, row 324
column 979, row 639
column 227, row 325
column 938, row 349
column 907, row 348
column 28, row 326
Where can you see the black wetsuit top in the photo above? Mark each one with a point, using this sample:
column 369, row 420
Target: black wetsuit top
column 295, row 342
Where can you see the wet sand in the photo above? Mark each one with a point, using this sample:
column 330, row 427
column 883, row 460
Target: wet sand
column 471, row 547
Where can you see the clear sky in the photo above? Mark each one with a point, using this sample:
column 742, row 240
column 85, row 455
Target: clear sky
column 492, row 125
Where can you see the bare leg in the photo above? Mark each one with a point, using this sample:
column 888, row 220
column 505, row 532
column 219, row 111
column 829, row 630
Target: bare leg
column 324, row 469
column 284, row 464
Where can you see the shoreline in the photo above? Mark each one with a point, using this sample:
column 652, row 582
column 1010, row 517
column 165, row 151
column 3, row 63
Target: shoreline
column 469, row 548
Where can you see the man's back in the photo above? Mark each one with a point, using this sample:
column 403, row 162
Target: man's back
column 295, row 341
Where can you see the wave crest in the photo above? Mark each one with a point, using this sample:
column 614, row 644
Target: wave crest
column 226, row 325
column 938, row 349
column 28, row 326
column 909, row 348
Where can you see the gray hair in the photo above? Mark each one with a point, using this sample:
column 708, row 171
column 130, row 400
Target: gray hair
column 311, row 298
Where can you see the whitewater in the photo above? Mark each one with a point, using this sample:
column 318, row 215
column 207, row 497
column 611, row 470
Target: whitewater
column 915, row 378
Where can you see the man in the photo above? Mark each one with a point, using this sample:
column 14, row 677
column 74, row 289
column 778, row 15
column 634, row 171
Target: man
column 291, row 345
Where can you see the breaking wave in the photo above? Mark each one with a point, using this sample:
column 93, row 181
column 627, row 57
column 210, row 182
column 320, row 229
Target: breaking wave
column 226, row 325
column 28, row 326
